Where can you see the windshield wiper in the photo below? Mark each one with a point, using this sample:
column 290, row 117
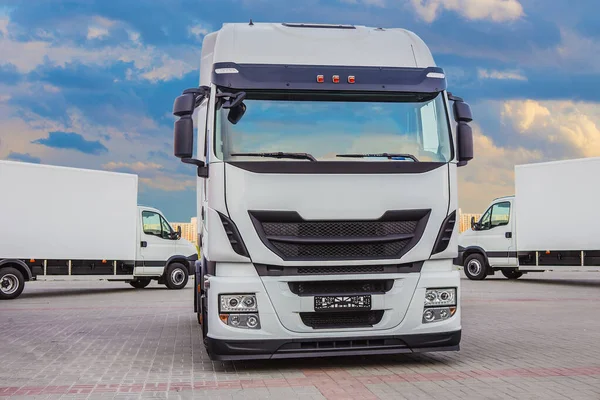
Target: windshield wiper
column 279, row 154
column 386, row 155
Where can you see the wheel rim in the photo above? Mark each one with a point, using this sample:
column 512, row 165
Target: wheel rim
column 177, row 276
column 474, row 267
column 9, row 284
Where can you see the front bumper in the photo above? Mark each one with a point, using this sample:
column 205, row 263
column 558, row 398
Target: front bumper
column 192, row 263
column 460, row 260
column 345, row 346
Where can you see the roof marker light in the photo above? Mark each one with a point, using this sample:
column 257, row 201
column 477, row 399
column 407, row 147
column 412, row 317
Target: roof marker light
column 320, row 78
column 336, row 79
column 438, row 75
column 351, row 79
column 226, row 71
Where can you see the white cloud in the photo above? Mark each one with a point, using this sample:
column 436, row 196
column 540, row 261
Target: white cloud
column 137, row 166
column 491, row 172
column 149, row 61
column 4, row 21
column 100, row 28
column 376, row 3
column 501, row 75
column 169, row 183
column 566, row 128
column 494, row 10
column 199, row 31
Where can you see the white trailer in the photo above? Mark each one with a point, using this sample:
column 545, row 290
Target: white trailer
column 327, row 158
column 549, row 224
column 63, row 222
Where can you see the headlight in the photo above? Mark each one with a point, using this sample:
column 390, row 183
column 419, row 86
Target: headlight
column 440, row 297
column 237, row 303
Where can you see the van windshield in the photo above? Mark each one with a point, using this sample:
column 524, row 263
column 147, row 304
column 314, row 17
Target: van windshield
column 335, row 126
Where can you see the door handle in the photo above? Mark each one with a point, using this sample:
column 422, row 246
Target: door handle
column 508, row 235
column 144, row 244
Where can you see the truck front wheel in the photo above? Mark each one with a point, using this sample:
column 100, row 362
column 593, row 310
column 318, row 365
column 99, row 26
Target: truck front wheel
column 475, row 267
column 140, row 283
column 176, row 276
column 512, row 273
column 12, row 283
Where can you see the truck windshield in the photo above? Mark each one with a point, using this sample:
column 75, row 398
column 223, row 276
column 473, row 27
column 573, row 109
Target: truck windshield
column 336, row 127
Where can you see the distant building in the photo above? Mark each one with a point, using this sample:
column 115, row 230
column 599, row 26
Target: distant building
column 189, row 230
column 464, row 222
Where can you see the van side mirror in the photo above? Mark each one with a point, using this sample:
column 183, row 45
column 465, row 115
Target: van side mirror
column 179, row 230
column 473, row 223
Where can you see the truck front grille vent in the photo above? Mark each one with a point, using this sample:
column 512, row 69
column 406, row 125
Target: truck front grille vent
column 341, row 319
column 341, row 287
column 293, row 238
column 445, row 234
column 235, row 239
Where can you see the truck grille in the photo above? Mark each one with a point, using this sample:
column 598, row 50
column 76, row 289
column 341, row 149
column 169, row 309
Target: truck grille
column 293, row 238
column 343, row 319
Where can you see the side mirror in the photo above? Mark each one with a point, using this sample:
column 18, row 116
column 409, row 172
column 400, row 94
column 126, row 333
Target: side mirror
column 236, row 113
column 473, row 223
column 183, row 137
column 183, row 131
column 462, row 112
column 179, row 230
column 465, row 143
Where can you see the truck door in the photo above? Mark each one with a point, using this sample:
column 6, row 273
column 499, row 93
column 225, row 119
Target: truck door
column 157, row 242
column 495, row 233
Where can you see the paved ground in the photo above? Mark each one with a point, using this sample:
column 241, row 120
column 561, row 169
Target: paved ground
column 536, row 338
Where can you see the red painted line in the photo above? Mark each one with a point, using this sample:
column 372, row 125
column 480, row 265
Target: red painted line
column 346, row 386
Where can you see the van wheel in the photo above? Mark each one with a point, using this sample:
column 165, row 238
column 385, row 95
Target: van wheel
column 475, row 267
column 512, row 273
column 176, row 276
column 140, row 283
column 12, row 283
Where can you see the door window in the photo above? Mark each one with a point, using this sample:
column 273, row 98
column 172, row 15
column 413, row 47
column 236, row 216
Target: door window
column 496, row 215
column 500, row 214
column 151, row 222
column 155, row 224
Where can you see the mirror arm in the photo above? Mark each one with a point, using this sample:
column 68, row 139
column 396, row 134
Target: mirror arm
column 202, row 167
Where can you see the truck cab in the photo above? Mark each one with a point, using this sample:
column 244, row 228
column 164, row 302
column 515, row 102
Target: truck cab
column 490, row 244
column 327, row 161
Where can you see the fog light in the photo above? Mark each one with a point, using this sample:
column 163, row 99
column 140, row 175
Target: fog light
column 438, row 314
column 428, row 315
column 244, row 321
column 252, row 321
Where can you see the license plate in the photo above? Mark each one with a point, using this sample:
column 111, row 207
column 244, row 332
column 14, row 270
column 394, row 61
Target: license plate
column 340, row 303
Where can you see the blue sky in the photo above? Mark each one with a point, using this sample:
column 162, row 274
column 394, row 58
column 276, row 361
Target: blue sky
column 91, row 83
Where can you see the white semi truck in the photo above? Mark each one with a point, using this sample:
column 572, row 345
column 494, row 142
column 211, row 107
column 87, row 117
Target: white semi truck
column 549, row 223
column 327, row 160
column 72, row 223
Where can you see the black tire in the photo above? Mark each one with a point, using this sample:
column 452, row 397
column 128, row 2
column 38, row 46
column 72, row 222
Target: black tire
column 140, row 283
column 512, row 273
column 12, row 283
column 176, row 276
column 475, row 267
